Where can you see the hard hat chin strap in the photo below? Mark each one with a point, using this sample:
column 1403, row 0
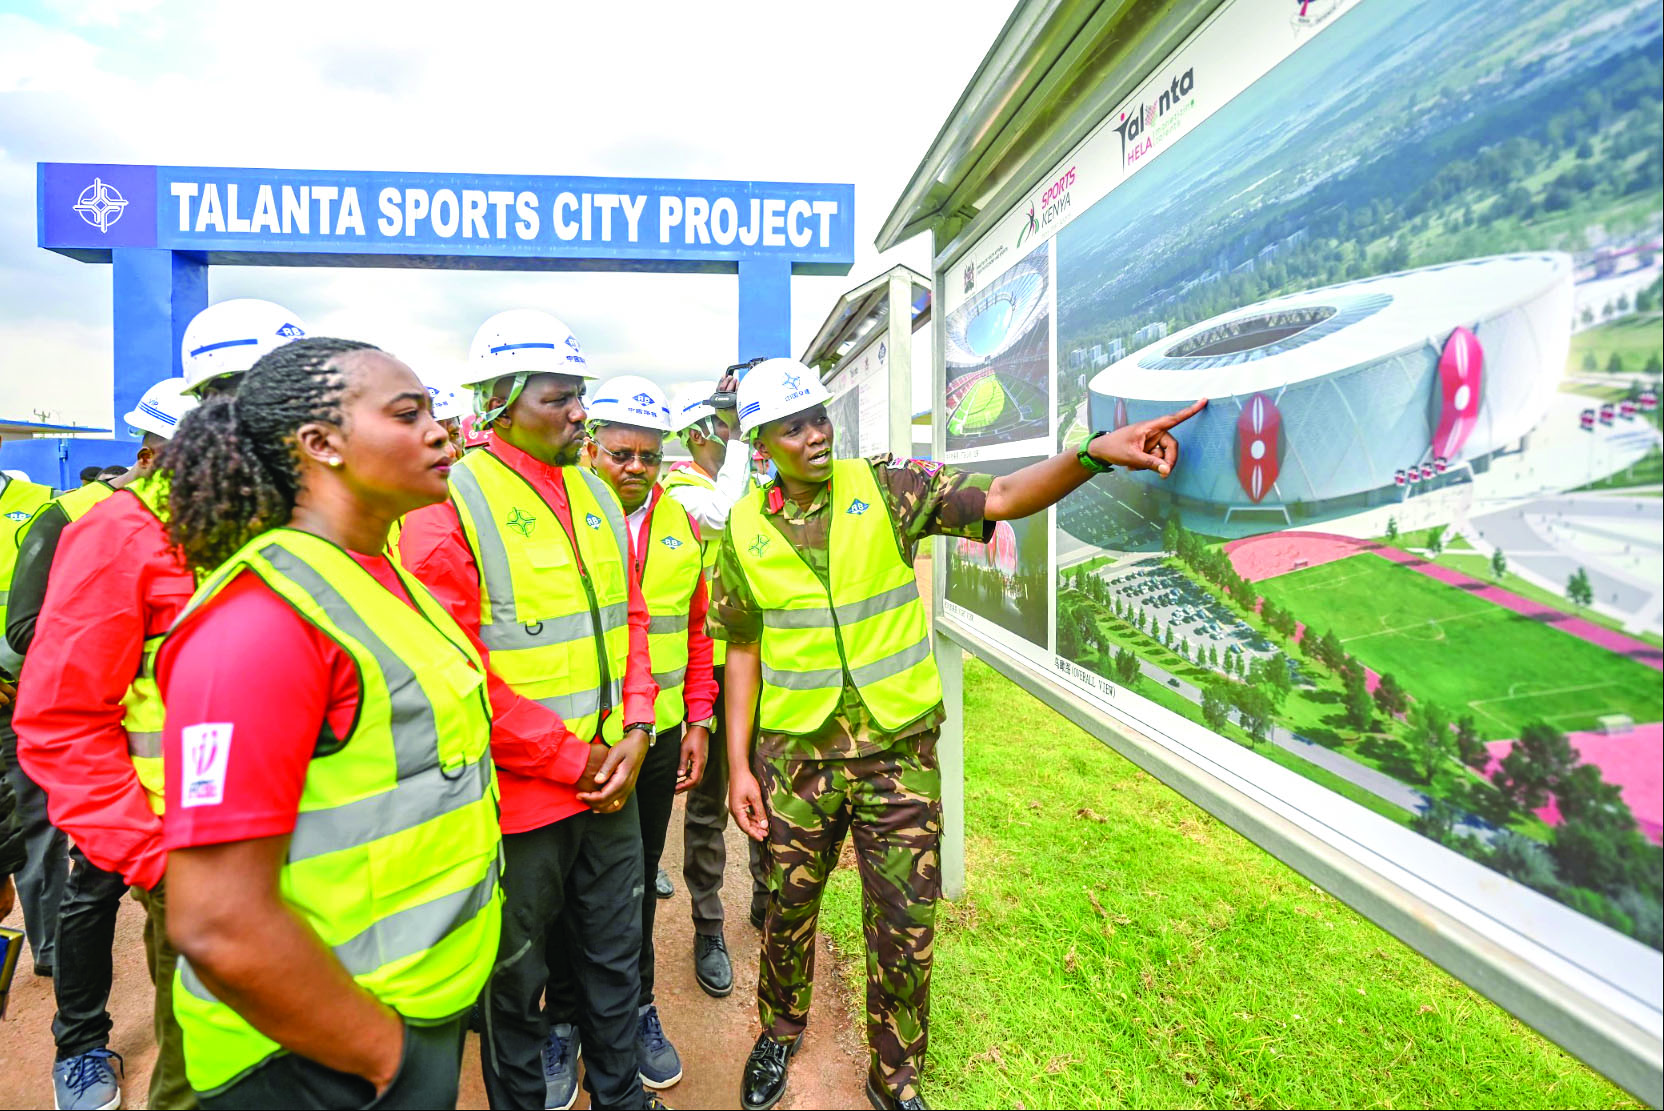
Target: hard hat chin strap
column 483, row 413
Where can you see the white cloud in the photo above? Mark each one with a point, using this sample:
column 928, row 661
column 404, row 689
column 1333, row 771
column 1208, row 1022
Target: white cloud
column 847, row 92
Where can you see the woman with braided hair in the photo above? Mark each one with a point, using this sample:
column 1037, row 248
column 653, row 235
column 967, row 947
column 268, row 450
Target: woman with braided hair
column 331, row 817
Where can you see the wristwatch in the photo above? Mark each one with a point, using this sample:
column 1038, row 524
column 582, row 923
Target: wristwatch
column 707, row 724
column 1096, row 466
column 645, row 727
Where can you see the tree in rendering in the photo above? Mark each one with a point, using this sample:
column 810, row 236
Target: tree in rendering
column 1539, row 760
column 1578, row 590
column 1392, row 530
column 1433, row 739
column 1469, row 747
column 1499, row 564
column 1216, row 706
column 1360, row 709
column 1389, row 696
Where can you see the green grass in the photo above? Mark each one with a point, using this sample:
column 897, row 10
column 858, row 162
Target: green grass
column 981, row 407
column 1480, row 568
column 1213, row 975
column 1461, row 651
column 1647, row 471
column 1633, row 339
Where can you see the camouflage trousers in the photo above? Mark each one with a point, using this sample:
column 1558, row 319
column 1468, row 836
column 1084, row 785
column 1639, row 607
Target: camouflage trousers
column 890, row 803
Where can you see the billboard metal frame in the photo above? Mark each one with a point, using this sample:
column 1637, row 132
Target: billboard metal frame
column 1587, row 1011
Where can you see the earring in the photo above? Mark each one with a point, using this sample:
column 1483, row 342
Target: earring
column 334, row 463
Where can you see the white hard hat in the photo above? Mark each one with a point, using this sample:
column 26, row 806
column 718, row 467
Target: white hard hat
column 691, row 403
column 17, row 476
column 161, row 408
column 449, row 402
column 519, row 342
column 776, row 388
column 229, row 337
column 633, row 400
column 524, row 341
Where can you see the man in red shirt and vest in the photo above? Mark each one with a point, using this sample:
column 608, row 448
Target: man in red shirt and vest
column 530, row 555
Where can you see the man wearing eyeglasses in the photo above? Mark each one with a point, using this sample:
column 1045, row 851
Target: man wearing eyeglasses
column 629, row 418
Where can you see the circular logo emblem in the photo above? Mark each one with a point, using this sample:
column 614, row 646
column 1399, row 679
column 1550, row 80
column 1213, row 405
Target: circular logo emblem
column 100, row 204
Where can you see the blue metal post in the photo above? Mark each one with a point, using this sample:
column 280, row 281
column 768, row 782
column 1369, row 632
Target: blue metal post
column 155, row 295
column 765, row 308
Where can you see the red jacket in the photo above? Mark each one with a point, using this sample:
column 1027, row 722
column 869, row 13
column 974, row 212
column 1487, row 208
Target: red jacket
column 538, row 758
column 115, row 581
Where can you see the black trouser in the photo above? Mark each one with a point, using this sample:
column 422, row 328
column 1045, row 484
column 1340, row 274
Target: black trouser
column 704, row 849
column 655, row 796
column 40, row 885
column 428, row 1076
column 86, row 936
column 586, row 868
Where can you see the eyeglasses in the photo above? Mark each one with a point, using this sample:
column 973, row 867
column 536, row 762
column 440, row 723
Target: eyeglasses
column 626, row 457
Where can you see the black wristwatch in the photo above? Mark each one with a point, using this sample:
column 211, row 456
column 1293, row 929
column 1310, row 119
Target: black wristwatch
column 645, row 727
column 1096, row 466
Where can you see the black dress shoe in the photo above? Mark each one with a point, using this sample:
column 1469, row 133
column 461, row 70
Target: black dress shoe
column 759, row 911
column 764, row 1081
column 711, row 966
column 662, row 887
column 883, row 1099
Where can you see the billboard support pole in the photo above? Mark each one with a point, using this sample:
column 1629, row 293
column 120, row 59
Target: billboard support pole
column 765, row 308
column 950, row 657
column 900, row 386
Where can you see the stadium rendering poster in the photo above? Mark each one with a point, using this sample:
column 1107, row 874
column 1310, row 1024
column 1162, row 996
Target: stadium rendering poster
column 1412, row 552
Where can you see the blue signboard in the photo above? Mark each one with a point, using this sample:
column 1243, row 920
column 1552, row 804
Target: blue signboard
column 160, row 228
column 500, row 221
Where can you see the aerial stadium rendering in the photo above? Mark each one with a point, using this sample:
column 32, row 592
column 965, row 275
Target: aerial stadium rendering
column 1333, row 397
column 997, row 353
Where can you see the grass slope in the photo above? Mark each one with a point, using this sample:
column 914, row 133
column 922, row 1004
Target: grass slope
column 1211, row 976
column 1462, row 651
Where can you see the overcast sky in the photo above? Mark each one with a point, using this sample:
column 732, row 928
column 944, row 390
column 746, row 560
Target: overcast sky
column 851, row 91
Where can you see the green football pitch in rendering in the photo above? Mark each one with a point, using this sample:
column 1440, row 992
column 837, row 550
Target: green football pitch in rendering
column 1463, row 652
column 982, row 407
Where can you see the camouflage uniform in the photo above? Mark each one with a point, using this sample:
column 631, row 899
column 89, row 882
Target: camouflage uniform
column 852, row 775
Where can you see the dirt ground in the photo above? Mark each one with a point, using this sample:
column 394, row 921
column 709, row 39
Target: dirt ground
column 713, row 1036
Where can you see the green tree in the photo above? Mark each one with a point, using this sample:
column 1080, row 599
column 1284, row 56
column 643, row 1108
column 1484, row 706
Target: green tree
column 1615, row 365
column 1360, row 708
column 1392, row 530
column 1578, row 590
column 1435, row 540
column 1389, row 696
column 1254, row 710
column 1216, row 706
column 1499, row 564
column 1590, row 363
column 1126, row 667
column 1469, row 747
column 1433, row 740
column 1536, row 764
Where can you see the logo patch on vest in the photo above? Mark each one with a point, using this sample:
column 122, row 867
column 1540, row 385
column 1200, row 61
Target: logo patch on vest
column 18, row 515
column 759, row 545
column 857, row 507
column 521, row 521
column 592, row 521
column 671, row 542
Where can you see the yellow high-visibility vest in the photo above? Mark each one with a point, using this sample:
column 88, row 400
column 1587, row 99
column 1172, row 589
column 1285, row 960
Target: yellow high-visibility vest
column 710, row 546
column 557, row 629
column 19, row 502
column 394, row 856
column 144, row 713
column 670, row 567
column 868, row 631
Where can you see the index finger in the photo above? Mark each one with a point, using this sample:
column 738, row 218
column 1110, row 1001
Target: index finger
column 1173, row 419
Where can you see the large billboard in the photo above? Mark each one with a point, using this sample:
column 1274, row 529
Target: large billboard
column 1411, row 552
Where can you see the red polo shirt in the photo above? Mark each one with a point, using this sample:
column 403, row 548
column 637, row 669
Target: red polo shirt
column 538, row 758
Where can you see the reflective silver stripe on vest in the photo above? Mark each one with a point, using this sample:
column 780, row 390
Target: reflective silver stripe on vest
column 411, row 721
column 424, row 797
column 668, row 679
column 549, row 631
column 144, row 746
column 403, row 934
column 821, row 617
column 493, row 556
column 570, row 707
column 893, row 664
